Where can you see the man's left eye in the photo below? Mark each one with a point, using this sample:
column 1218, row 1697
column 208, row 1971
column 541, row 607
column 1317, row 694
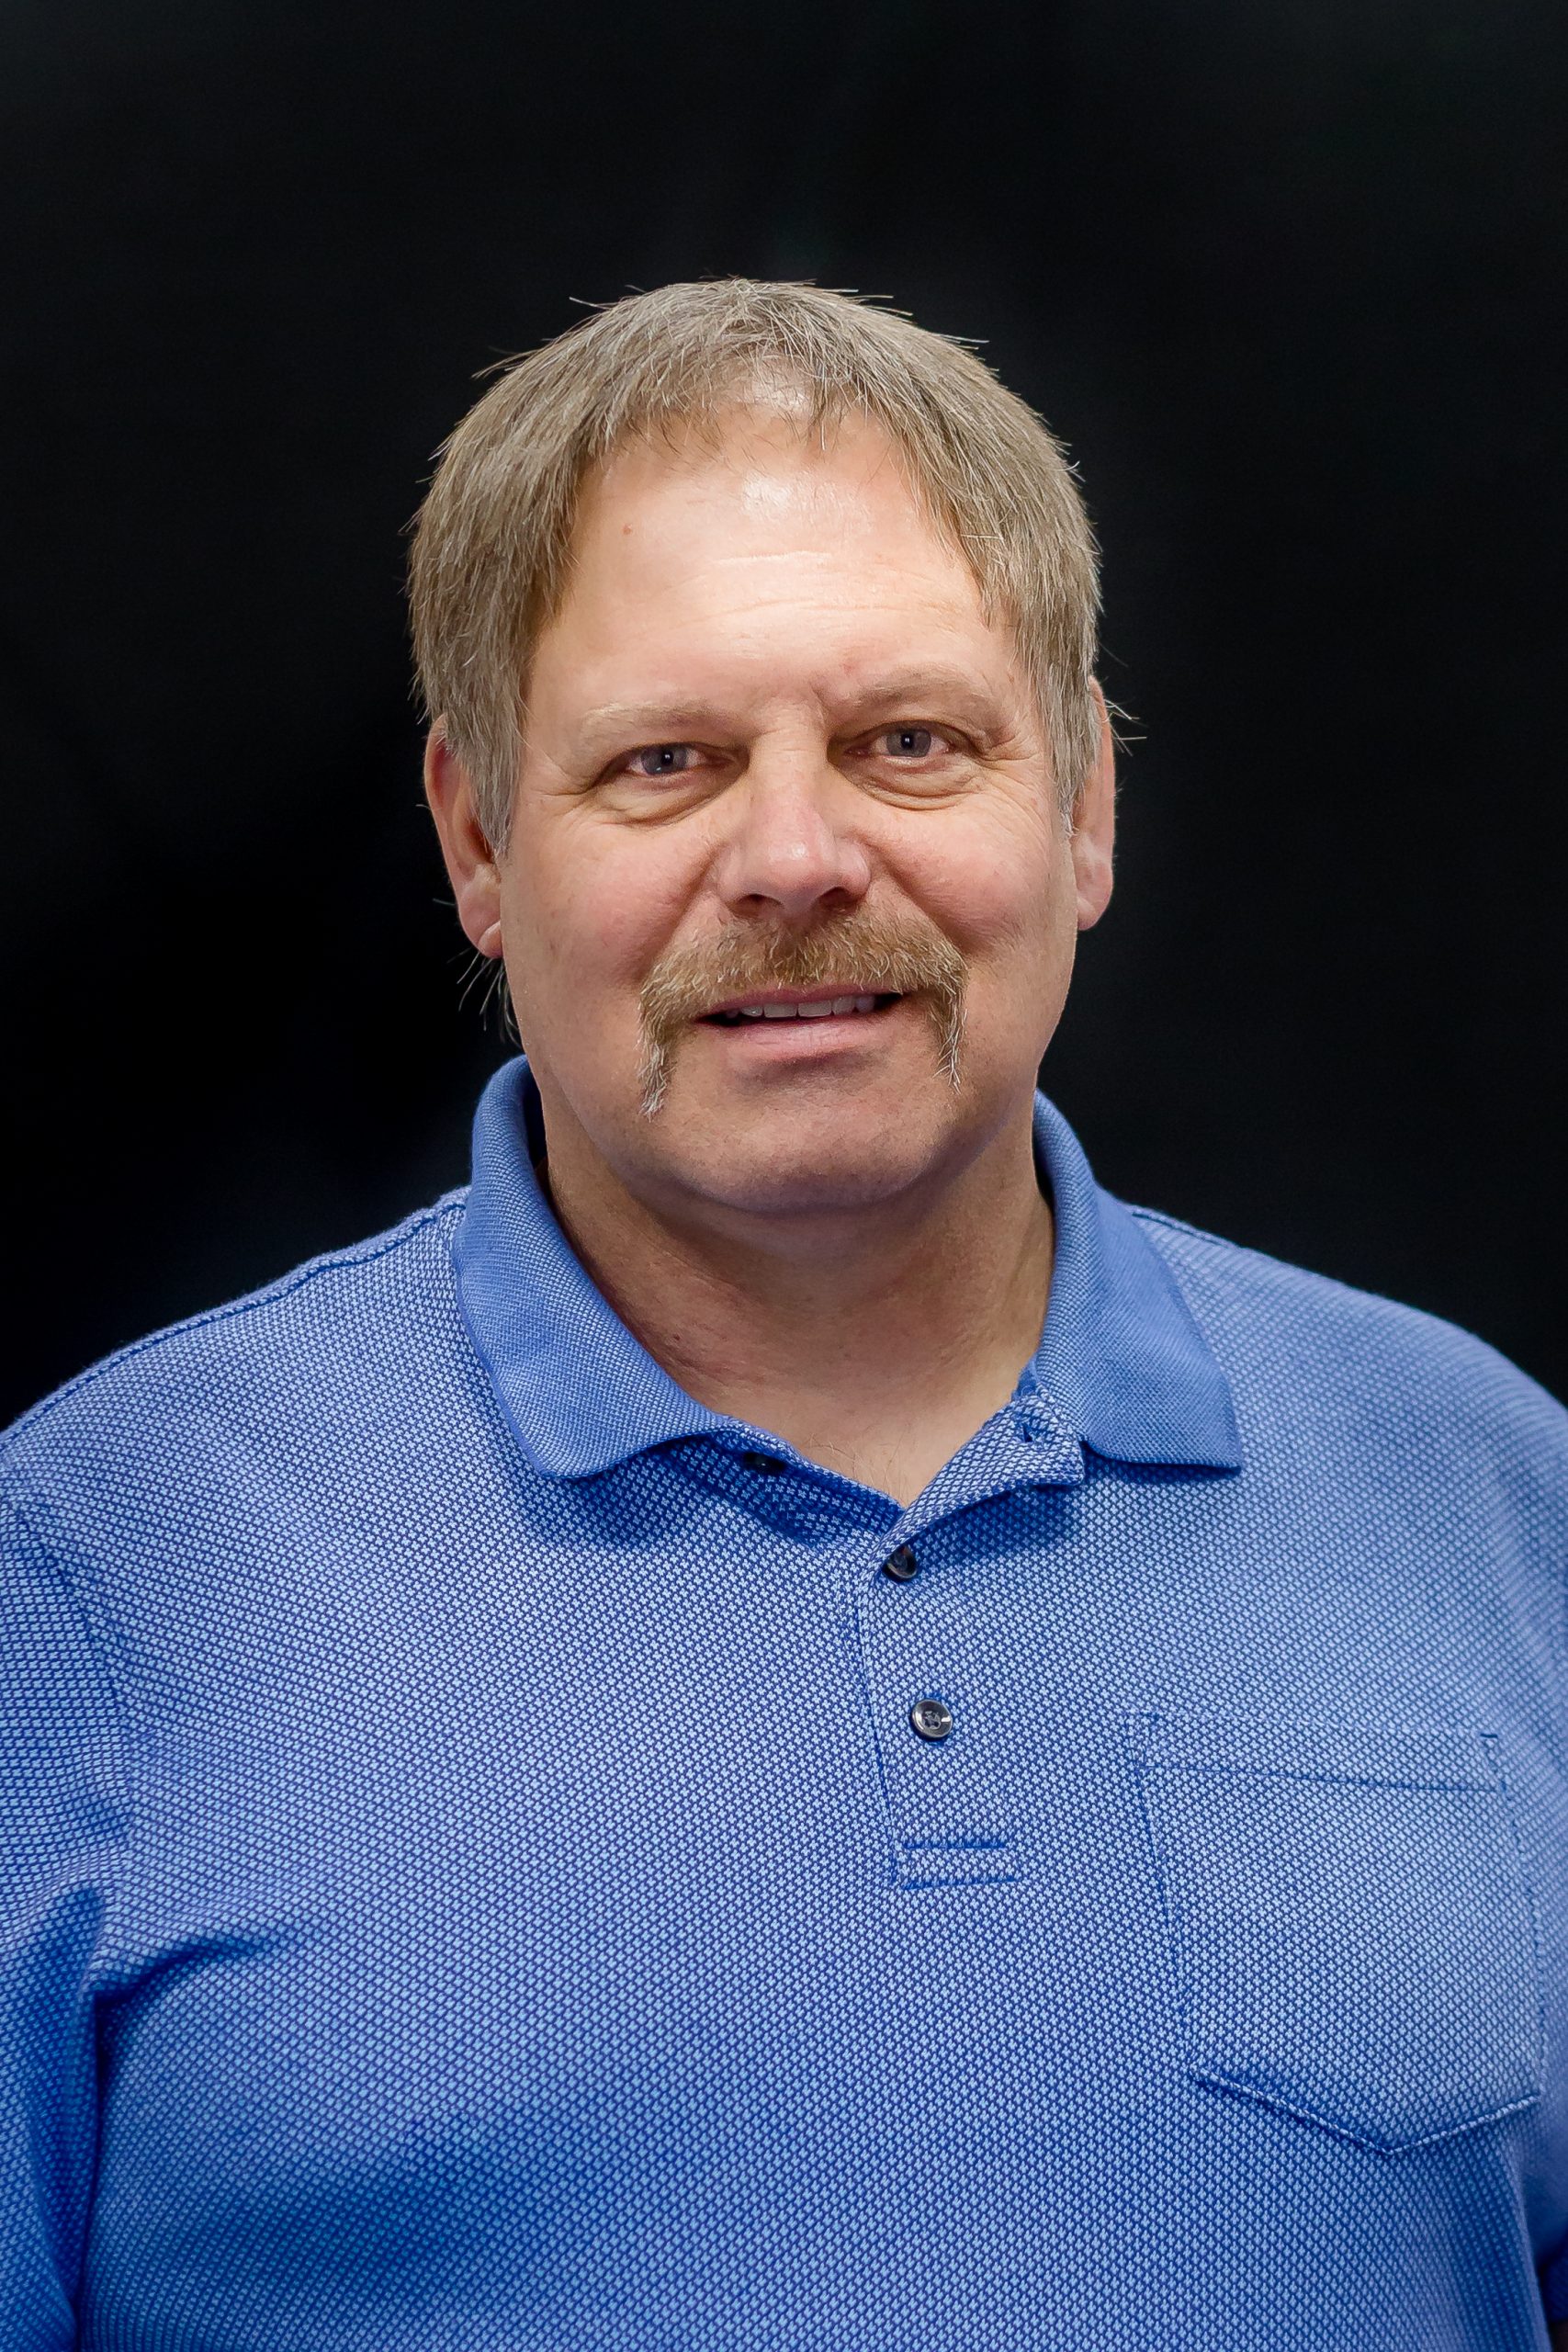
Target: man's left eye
column 907, row 742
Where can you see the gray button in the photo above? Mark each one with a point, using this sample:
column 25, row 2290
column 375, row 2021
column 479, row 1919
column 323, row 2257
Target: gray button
column 900, row 1565
column 932, row 1718
column 766, row 1465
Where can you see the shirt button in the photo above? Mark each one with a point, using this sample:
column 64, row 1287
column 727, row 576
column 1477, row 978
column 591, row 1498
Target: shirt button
column 766, row 1465
column 932, row 1718
column 900, row 1565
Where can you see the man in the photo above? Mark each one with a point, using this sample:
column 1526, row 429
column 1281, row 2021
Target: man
column 782, row 1724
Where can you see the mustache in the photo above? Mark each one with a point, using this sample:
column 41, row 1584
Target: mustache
column 857, row 954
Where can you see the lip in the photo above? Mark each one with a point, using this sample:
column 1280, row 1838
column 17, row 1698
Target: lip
column 796, row 996
column 757, row 1044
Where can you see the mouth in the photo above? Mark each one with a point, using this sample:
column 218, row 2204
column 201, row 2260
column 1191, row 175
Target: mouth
column 796, row 1004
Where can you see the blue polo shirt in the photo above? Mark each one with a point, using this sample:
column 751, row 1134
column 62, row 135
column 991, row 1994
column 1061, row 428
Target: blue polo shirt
column 474, row 1878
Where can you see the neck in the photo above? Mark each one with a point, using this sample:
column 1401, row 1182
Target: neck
column 876, row 1344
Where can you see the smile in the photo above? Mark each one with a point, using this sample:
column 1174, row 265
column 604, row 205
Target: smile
column 803, row 1008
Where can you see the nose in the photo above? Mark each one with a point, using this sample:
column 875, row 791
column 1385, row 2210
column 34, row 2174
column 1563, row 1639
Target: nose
column 792, row 851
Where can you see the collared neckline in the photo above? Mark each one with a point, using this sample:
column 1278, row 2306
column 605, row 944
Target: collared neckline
column 1122, row 1356
column 1122, row 1368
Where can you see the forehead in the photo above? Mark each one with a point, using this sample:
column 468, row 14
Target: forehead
column 766, row 509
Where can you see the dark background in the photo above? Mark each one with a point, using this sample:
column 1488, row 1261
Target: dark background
column 1288, row 276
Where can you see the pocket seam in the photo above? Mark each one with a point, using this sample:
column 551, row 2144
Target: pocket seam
column 1171, row 1915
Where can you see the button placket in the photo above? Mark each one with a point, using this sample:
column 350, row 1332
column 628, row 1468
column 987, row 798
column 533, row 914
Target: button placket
column 947, row 1820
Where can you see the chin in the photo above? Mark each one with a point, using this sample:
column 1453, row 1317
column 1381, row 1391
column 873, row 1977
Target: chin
column 797, row 1176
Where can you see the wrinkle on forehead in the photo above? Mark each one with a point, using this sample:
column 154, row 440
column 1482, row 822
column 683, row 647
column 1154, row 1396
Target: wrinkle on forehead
column 697, row 557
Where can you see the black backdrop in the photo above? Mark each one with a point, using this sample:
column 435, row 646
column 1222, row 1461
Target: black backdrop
column 1288, row 279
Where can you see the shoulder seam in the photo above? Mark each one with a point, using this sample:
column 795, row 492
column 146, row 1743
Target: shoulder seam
column 356, row 1254
column 34, row 1514
column 1311, row 1276
column 1179, row 1225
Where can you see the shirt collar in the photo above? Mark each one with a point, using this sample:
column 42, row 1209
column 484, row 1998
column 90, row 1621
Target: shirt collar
column 1122, row 1361
column 1122, row 1356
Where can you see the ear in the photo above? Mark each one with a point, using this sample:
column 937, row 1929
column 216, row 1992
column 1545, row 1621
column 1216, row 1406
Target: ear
column 1093, row 838
column 470, row 862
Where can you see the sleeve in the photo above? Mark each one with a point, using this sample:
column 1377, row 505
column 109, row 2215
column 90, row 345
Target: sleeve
column 1548, row 1506
column 64, row 1817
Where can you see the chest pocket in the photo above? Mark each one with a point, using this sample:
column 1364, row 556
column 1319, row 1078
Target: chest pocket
column 1352, row 1936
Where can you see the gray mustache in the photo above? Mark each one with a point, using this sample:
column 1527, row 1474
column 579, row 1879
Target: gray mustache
column 857, row 954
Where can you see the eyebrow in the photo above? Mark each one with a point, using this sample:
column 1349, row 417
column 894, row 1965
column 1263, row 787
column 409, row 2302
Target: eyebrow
column 924, row 690
column 660, row 722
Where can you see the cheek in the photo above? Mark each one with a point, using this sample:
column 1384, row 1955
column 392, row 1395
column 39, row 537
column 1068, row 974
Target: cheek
column 998, row 889
column 587, row 916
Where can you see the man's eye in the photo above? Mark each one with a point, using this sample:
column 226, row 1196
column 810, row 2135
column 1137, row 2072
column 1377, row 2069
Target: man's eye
column 907, row 742
column 663, row 759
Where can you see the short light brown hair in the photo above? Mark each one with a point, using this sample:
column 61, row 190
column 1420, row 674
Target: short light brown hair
column 490, row 549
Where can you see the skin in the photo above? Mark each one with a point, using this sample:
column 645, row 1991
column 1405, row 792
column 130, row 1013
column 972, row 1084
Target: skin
column 817, row 1231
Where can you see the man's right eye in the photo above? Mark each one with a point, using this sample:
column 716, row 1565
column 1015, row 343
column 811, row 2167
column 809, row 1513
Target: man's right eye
column 661, row 759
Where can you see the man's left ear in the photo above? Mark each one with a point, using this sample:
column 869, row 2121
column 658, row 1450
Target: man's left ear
column 1094, row 823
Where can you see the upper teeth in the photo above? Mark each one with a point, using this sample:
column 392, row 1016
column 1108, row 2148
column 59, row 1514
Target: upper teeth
column 816, row 1012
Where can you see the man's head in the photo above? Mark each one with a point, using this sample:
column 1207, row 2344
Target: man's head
column 756, row 630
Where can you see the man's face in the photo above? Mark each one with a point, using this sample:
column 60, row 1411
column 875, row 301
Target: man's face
column 778, row 760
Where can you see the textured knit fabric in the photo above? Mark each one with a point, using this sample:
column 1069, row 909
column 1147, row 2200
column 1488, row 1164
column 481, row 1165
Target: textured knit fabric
column 471, row 1880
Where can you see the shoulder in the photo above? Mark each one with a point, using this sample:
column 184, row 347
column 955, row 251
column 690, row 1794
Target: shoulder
column 336, row 1324
column 1326, row 1351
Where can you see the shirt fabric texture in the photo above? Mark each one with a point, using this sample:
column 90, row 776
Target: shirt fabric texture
column 471, row 1879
